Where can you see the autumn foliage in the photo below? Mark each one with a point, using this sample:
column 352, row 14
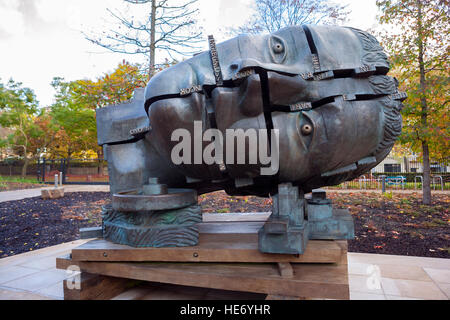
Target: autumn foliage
column 67, row 128
column 417, row 39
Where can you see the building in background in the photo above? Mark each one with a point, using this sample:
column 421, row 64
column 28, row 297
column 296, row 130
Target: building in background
column 409, row 164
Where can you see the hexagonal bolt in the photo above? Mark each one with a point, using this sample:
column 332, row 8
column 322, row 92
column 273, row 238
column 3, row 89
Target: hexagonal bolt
column 154, row 187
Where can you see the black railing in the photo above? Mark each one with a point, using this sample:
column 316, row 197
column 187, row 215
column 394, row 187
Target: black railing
column 73, row 171
column 401, row 174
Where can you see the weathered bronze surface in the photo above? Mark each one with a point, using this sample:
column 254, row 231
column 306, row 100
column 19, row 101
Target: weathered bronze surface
column 325, row 89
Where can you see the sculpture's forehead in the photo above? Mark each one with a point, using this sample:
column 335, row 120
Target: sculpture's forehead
column 243, row 51
column 292, row 50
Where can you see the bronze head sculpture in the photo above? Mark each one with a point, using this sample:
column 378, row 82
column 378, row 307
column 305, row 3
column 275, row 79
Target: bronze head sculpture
column 320, row 95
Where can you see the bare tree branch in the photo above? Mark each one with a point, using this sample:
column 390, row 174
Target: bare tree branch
column 272, row 15
column 169, row 26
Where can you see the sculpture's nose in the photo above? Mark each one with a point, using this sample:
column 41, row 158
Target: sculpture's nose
column 239, row 68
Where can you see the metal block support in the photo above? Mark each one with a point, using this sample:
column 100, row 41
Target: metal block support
column 286, row 231
column 295, row 220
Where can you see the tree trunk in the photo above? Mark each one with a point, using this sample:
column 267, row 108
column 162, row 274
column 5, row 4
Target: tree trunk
column 426, row 197
column 25, row 167
column 152, row 40
column 406, row 164
column 69, row 153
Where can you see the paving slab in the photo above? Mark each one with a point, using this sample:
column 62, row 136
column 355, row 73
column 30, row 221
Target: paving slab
column 9, row 294
column 365, row 284
column 355, row 295
column 55, row 291
column 385, row 259
column 445, row 288
column 403, row 272
column 389, row 297
column 412, row 289
column 11, row 273
column 439, row 275
column 29, row 257
column 37, row 281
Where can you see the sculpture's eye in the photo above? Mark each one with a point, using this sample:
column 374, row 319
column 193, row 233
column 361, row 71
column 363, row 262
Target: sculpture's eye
column 307, row 129
column 278, row 48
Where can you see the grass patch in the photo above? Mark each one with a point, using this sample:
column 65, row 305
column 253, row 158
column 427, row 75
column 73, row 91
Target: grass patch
column 5, row 179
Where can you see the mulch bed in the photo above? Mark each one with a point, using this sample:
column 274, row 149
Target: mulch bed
column 385, row 224
column 34, row 223
column 398, row 224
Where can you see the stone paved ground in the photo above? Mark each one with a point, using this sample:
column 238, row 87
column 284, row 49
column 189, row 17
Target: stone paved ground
column 33, row 275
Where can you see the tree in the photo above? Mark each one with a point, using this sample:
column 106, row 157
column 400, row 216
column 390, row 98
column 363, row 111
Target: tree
column 111, row 88
column 74, row 118
column 75, row 103
column 272, row 15
column 419, row 51
column 164, row 25
column 51, row 136
column 19, row 109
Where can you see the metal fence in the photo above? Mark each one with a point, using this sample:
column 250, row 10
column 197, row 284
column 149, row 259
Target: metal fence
column 73, row 171
column 401, row 175
column 394, row 182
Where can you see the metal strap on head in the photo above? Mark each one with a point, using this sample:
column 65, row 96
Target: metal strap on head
column 215, row 61
column 312, row 46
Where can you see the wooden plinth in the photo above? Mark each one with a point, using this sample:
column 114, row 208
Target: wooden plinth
column 221, row 260
column 211, row 248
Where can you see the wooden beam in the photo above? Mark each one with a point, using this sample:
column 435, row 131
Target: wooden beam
column 89, row 286
column 323, row 281
column 64, row 262
column 211, row 248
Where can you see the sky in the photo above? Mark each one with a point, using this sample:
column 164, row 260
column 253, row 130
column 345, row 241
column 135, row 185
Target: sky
column 42, row 39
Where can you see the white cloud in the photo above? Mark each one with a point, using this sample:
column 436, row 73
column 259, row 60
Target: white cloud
column 363, row 15
column 11, row 19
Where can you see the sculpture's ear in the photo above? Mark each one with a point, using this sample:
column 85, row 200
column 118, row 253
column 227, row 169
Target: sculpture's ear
column 277, row 48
